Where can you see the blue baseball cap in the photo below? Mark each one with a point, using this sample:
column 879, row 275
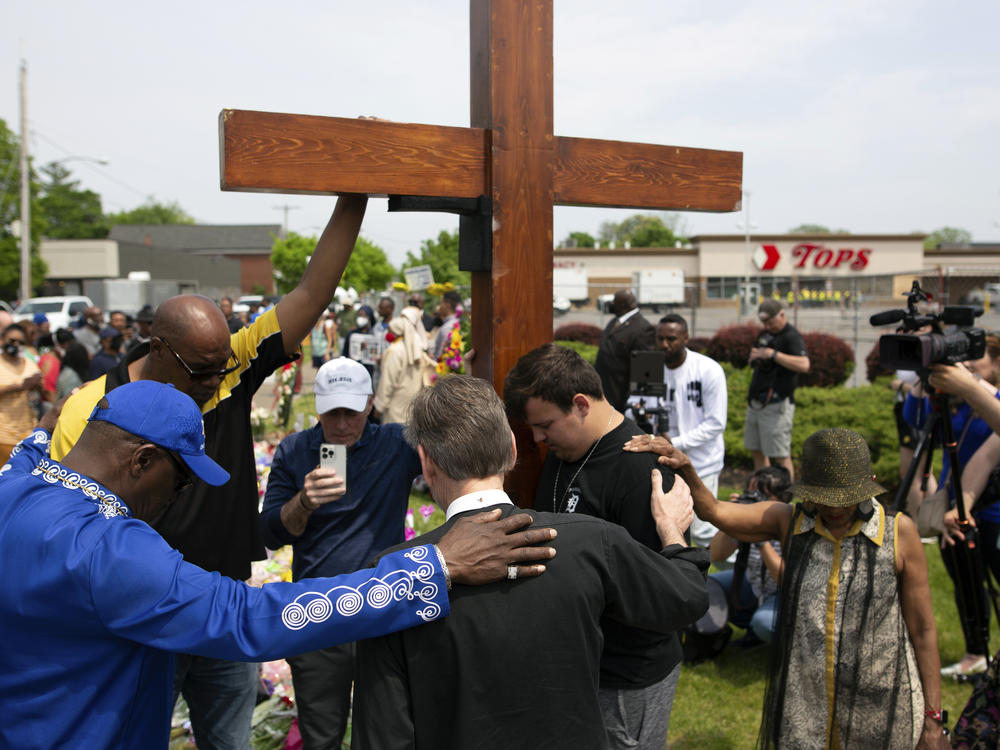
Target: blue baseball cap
column 39, row 318
column 166, row 417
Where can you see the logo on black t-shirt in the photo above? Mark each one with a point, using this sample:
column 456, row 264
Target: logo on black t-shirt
column 572, row 498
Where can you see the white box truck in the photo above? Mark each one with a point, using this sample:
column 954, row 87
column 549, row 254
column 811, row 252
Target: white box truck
column 662, row 287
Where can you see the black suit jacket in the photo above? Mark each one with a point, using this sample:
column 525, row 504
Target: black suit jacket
column 614, row 355
column 516, row 663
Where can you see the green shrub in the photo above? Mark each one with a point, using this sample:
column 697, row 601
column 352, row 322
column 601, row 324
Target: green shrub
column 737, row 385
column 733, row 343
column 831, row 360
column 587, row 351
column 867, row 410
column 699, row 344
column 582, row 332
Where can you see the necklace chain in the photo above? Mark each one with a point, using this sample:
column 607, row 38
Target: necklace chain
column 560, row 507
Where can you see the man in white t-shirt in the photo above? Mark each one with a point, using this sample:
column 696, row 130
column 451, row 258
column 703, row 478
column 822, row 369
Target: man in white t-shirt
column 693, row 411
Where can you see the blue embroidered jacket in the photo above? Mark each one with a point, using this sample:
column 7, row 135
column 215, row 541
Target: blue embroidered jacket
column 93, row 602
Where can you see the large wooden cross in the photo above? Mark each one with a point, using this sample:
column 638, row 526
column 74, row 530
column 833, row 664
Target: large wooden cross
column 509, row 159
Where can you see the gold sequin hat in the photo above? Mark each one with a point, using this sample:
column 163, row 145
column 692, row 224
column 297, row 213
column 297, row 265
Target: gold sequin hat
column 836, row 469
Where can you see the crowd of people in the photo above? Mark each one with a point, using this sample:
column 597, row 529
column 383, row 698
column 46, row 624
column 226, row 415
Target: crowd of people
column 134, row 504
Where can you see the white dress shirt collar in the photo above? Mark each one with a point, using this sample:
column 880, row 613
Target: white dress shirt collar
column 626, row 316
column 476, row 501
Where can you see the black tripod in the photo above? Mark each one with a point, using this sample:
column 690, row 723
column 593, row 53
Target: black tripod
column 971, row 573
column 644, row 417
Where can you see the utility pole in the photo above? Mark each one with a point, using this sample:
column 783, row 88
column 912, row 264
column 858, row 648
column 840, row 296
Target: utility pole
column 286, row 208
column 25, row 288
column 745, row 303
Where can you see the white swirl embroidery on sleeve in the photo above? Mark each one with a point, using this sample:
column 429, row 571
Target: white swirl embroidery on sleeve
column 347, row 601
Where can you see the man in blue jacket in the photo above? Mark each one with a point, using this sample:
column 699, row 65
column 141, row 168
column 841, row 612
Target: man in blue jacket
column 93, row 601
column 335, row 523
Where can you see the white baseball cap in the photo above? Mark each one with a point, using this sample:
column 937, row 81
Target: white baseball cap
column 342, row 383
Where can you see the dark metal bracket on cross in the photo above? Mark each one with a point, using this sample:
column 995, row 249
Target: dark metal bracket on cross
column 502, row 175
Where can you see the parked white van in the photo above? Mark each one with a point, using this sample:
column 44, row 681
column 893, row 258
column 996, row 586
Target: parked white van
column 59, row 310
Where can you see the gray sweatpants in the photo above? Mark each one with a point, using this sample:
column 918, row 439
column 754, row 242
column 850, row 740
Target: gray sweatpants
column 638, row 719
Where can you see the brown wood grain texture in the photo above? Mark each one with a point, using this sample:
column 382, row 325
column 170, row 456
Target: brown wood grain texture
column 516, row 107
column 592, row 172
column 268, row 152
column 481, row 115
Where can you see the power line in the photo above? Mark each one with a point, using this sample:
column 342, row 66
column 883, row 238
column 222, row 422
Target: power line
column 93, row 165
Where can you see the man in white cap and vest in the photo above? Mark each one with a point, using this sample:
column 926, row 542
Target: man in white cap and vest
column 336, row 523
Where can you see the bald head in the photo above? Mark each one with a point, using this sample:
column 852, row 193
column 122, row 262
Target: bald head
column 623, row 301
column 190, row 338
column 187, row 314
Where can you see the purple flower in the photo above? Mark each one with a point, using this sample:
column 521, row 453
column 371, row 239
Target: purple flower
column 409, row 533
column 426, row 510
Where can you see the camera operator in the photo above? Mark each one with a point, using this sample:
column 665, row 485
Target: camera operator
column 960, row 381
column 757, row 573
column 973, row 384
column 777, row 357
column 902, row 384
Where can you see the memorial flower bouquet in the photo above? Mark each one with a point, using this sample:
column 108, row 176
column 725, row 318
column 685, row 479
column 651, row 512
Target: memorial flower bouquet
column 284, row 391
column 451, row 362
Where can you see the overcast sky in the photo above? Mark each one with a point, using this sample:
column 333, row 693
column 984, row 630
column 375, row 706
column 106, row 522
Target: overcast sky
column 876, row 116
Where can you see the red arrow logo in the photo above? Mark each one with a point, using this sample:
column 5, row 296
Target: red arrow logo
column 766, row 257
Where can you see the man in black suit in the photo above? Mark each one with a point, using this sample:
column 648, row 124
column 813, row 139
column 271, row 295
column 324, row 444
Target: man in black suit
column 627, row 332
column 518, row 666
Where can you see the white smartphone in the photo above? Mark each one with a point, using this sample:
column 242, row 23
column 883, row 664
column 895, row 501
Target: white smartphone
column 332, row 456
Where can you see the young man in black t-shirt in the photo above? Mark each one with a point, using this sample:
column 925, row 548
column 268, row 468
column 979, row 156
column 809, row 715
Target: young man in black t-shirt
column 777, row 357
column 475, row 664
column 586, row 471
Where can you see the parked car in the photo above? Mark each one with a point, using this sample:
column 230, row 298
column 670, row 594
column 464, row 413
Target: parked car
column 242, row 305
column 59, row 310
column 978, row 296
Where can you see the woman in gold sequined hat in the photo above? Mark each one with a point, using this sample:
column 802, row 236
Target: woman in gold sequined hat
column 855, row 662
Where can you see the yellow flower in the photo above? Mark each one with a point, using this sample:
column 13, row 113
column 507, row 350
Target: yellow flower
column 437, row 289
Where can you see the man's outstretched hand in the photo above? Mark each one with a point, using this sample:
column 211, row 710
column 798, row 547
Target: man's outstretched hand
column 479, row 548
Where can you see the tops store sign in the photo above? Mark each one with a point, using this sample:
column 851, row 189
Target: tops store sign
column 810, row 256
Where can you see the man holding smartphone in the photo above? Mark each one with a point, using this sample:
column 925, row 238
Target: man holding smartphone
column 335, row 522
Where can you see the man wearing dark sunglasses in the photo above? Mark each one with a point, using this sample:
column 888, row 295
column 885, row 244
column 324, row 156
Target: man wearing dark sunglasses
column 218, row 529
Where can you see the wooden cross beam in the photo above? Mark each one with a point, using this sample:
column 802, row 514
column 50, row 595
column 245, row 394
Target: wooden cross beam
column 509, row 155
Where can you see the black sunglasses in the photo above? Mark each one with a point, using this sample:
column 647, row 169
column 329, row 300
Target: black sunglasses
column 183, row 478
column 203, row 374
